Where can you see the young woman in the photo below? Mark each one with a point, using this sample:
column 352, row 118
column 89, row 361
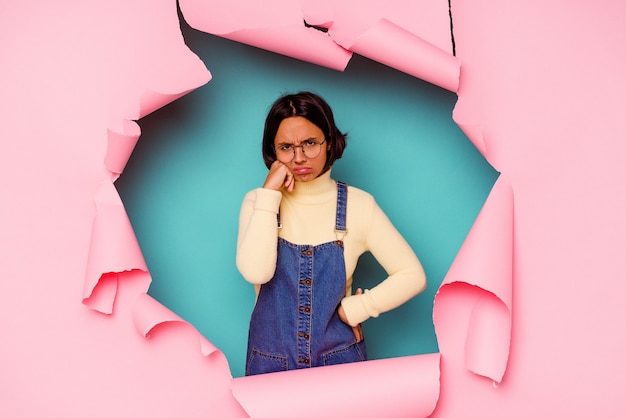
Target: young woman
column 300, row 237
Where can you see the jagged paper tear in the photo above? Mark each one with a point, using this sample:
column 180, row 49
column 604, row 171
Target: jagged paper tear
column 149, row 314
column 482, row 270
column 276, row 26
column 113, row 250
column 340, row 29
column 120, row 147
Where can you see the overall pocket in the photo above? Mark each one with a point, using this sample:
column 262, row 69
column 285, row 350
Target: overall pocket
column 260, row 362
column 347, row 354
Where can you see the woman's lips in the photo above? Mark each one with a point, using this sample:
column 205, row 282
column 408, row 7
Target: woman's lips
column 302, row 170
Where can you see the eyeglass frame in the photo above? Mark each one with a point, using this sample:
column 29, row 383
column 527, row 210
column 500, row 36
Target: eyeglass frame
column 301, row 146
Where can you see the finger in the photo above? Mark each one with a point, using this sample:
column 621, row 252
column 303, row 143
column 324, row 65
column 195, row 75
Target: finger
column 290, row 179
column 358, row 291
column 358, row 333
column 289, row 182
column 277, row 176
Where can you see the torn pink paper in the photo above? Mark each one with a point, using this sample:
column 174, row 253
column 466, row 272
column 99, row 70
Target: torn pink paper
column 120, row 146
column 433, row 64
column 276, row 26
column 396, row 387
column 398, row 48
column 366, row 28
column 153, row 100
column 561, row 103
column 114, row 249
column 150, row 85
column 149, row 314
column 347, row 20
column 70, row 72
column 412, row 37
column 319, row 13
column 483, row 271
column 146, row 71
column 473, row 132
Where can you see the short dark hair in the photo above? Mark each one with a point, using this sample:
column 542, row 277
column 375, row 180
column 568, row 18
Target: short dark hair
column 313, row 108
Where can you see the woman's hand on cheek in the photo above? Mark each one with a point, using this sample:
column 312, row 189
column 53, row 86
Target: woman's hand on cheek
column 279, row 176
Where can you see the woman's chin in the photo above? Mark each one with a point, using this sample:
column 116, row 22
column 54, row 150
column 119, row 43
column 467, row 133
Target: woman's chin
column 303, row 178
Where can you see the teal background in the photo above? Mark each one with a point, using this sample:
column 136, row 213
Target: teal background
column 198, row 156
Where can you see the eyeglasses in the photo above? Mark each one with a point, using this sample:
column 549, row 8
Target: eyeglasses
column 310, row 148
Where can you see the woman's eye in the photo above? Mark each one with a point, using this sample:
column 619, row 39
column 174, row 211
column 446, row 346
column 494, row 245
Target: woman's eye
column 310, row 143
column 285, row 147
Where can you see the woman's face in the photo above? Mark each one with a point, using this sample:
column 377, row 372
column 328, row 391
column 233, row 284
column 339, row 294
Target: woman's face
column 302, row 137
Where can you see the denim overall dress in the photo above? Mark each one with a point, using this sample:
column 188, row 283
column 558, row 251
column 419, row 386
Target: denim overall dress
column 295, row 324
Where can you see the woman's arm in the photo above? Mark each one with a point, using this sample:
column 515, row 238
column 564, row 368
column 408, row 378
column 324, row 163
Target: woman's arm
column 258, row 235
column 406, row 277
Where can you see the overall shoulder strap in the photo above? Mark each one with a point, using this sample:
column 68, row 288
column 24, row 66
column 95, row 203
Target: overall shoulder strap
column 342, row 200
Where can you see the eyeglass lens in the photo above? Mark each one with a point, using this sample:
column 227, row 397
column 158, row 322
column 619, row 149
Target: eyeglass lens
column 310, row 149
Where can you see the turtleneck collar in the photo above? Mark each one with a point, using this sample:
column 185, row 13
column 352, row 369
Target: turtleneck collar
column 313, row 189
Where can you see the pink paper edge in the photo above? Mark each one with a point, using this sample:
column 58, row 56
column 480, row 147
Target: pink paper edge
column 387, row 43
column 495, row 223
column 427, row 61
column 386, row 387
column 149, row 315
column 487, row 345
column 304, row 40
column 109, row 216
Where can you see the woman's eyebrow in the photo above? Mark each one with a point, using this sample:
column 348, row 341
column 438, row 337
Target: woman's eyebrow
column 297, row 143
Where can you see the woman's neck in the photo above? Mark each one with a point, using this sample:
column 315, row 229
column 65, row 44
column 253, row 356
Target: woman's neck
column 314, row 188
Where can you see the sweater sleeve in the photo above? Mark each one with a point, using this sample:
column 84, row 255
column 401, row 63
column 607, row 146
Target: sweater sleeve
column 406, row 277
column 258, row 235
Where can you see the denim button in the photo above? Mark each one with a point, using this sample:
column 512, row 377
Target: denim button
column 304, row 360
column 306, row 282
column 305, row 309
column 303, row 335
column 339, row 243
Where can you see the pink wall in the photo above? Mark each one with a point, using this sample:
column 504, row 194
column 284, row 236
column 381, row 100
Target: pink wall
column 533, row 300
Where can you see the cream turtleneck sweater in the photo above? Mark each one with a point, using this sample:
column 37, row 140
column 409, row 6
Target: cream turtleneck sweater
column 308, row 217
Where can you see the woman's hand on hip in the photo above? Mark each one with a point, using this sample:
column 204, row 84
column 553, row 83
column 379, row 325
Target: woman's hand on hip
column 279, row 176
column 357, row 329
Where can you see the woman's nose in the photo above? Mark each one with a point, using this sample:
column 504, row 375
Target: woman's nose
column 299, row 154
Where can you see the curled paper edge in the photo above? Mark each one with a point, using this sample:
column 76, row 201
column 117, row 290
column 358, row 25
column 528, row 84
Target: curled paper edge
column 485, row 262
column 153, row 100
column 398, row 48
column 306, row 44
column 113, row 249
column 475, row 134
column 385, row 42
column 120, row 146
column 387, row 387
column 103, row 294
column 196, row 73
column 113, row 246
column 486, row 351
column 286, row 36
column 149, row 315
